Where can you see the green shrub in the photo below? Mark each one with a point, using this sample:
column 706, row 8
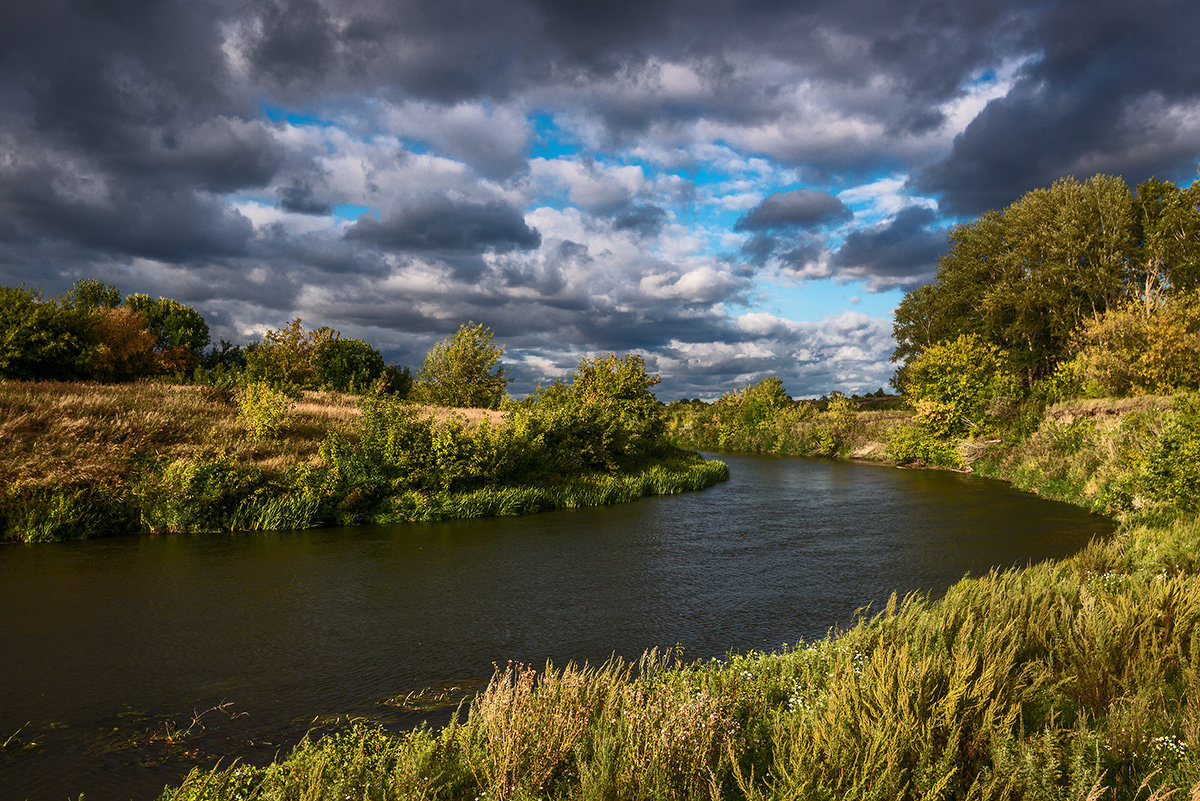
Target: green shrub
column 952, row 385
column 263, row 409
column 57, row 513
column 606, row 418
column 197, row 495
column 1144, row 348
column 914, row 444
column 1170, row 471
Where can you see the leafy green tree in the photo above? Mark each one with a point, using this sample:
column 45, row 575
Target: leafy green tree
column 955, row 385
column 346, row 365
column 180, row 333
column 1167, row 232
column 91, row 294
column 1026, row 279
column 41, row 339
column 224, row 356
column 284, row 357
column 399, row 380
column 463, row 371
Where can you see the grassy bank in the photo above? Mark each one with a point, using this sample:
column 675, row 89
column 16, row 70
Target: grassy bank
column 1076, row 679
column 81, row 460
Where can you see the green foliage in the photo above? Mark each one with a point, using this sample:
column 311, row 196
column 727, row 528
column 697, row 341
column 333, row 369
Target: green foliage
column 346, row 365
column 31, row 513
column 760, row 418
column 1143, row 348
column 173, row 324
column 262, row 409
column 1088, row 459
column 284, row 357
column 180, row 333
column 914, row 444
column 953, row 384
column 750, row 407
column 1169, row 474
column 196, row 495
column 606, row 418
column 42, row 339
column 463, row 371
column 89, row 294
column 1167, row 227
column 1027, row 278
column 225, row 356
column 398, row 380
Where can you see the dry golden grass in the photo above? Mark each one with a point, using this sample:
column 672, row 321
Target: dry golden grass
column 473, row 416
column 1107, row 407
column 85, row 433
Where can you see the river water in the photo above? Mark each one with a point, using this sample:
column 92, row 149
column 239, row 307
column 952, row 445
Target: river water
column 108, row 649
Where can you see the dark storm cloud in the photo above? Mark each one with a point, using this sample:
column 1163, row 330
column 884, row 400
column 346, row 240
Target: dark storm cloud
column 898, row 253
column 1110, row 93
column 217, row 155
column 799, row 208
column 128, row 219
column 297, row 40
column 447, row 225
column 122, row 128
column 646, row 221
column 796, row 252
column 298, row 197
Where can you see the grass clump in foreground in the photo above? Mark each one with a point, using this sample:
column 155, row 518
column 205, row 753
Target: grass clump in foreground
column 1076, row 679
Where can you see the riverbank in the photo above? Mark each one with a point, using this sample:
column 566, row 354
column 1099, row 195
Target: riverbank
column 80, row 460
column 1069, row 679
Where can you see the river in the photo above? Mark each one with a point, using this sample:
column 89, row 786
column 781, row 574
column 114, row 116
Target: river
column 111, row 648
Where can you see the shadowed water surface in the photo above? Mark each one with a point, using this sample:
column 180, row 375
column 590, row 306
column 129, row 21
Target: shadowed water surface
column 108, row 646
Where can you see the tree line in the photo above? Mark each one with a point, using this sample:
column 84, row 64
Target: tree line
column 1076, row 290
column 94, row 333
column 1034, row 279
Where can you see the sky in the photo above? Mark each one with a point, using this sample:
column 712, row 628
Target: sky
column 730, row 189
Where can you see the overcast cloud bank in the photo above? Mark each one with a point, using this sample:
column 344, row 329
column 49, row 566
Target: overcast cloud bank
column 731, row 189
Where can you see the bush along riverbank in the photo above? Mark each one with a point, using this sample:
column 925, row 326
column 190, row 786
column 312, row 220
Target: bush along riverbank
column 80, row 460
column 1065, row 680
column 761, row 418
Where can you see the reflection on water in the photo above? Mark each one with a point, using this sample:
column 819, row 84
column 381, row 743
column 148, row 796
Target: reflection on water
column 109, row 644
